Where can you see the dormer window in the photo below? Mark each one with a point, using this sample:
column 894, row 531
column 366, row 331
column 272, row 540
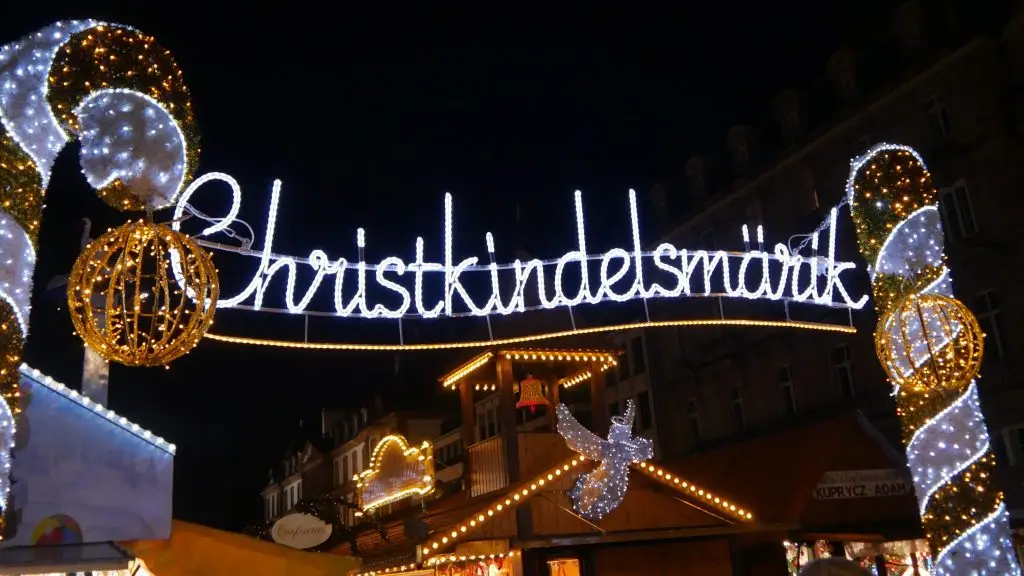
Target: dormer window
column 739, row 143
column 742, row 155
column 842, row 68
column 788, row 113
column 846, row 85
column 697, row 172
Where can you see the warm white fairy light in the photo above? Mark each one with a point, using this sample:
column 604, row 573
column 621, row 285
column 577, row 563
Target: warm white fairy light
column 597, row 493
column 85, row 402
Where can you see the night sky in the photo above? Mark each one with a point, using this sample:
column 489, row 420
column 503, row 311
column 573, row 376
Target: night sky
column 368, row 119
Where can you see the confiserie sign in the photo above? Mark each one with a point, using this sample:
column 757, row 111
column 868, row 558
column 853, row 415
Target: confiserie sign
column 300, row 531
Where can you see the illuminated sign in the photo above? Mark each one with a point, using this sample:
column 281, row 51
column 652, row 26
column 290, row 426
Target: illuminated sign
column 300, row 531
column 394, row 288
column 396, row 471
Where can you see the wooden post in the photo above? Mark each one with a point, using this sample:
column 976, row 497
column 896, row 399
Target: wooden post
column 507, row 416
column 468, row 410
column 554, row 397
column 598, row 406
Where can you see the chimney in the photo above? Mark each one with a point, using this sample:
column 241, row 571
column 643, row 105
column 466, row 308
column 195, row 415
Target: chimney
column 697, row 177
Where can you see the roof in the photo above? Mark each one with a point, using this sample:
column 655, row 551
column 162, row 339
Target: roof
column 788, row 465
column 195, row 549
column 457, row 518
column 605, row 357
column 85, row 402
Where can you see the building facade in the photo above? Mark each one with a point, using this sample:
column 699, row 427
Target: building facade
column 956, row 98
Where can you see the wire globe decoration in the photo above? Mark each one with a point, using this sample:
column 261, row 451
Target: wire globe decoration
column 142, row 294
column 929, row 343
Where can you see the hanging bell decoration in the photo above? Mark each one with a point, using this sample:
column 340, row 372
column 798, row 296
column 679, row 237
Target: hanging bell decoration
column 531, row 393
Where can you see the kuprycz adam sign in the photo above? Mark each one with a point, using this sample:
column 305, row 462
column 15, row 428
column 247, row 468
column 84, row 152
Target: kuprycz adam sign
column 848, row 484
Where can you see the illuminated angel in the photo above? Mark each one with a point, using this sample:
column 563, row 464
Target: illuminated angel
column 601, row 491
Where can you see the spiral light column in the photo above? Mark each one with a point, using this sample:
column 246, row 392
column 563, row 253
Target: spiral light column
column 931, row 348
column 122, row 96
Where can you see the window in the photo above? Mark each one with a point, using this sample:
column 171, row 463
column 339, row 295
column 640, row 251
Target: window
column 707, row 239
column 611, row 377
column 810, row 191
column 698, row 183
column 623, row 368
column 643, row 405
column 938, row 119
column 957, row 212
column 786, row 388
column 791, row 125
column 345, row 475
column 742, row 155
column 739, row 418
column 492, row 424
column 481, row 428
column 986, row 308
column 847, row 85
column 754, row 214
column 693, row 413
column 636, row 353
column 842, row 368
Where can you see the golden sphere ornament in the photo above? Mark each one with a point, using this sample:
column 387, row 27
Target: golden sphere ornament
column 929, row 343
column 143, row 294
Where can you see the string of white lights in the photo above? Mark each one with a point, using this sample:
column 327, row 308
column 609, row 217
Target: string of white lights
column 17, row 260
column 97, row 408
column 691, row 273
column 24, row 109
column 982, row 550
column 959, row 433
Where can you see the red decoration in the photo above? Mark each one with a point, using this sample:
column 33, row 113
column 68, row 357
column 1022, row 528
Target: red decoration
column 531, row 393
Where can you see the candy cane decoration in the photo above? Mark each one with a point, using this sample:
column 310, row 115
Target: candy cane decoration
column 123, row 97
column 931, row 346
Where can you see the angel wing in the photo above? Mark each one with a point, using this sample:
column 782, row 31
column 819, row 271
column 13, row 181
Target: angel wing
column 578, row 438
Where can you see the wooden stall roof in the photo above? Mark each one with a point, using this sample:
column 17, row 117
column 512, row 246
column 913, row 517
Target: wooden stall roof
column 607, row 357
column 776, row 475
column 458, row 515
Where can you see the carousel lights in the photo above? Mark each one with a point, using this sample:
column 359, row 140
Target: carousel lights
column 98, row 409
column 691, row 489
column 391, row 570
column 413, row 478
column 514, row 497
column 606, row 358
column 453, row 558
column 693, row 273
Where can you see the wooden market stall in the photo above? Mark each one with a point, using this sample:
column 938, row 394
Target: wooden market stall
column 195, row 550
